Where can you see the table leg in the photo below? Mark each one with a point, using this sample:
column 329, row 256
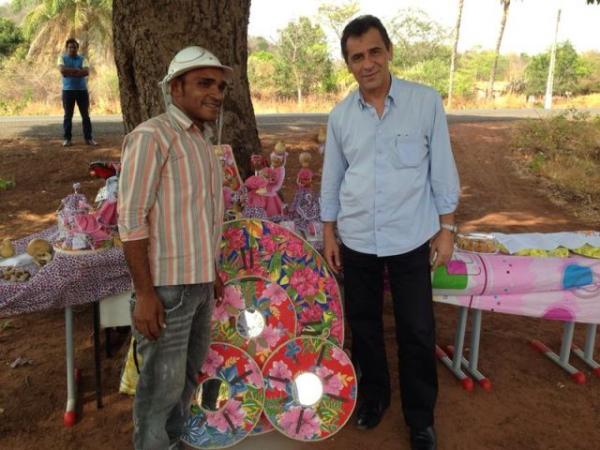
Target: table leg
column 454, row 364
column 97, row 355
column 562, row 360
column 587, row 354
column 70, row 416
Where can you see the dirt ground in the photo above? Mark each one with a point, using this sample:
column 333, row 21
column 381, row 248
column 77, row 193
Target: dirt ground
column 532, row 405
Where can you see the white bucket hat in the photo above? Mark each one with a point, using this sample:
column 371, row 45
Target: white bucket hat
column 187, row 59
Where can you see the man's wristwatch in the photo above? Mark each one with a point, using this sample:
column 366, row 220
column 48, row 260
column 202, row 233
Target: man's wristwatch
column 450, row 227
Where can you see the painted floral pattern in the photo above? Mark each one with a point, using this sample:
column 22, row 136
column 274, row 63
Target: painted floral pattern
column 265, row 249
column 227, row 426
column 334, row 369
column 264, row 297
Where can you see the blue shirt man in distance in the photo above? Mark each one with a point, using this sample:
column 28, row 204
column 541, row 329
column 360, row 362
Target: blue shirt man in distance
column 390, row 187
column 74, row 71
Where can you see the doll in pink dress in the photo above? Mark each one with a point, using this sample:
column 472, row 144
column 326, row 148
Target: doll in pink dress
column 254, row 197
column 275, row 175
column 305, row 210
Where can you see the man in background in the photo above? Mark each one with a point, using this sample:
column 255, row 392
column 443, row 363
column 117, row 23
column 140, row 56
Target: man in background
column 74, row 70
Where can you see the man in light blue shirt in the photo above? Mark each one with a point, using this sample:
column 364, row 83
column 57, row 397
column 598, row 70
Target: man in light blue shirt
column 390, row 187
column 74, row 71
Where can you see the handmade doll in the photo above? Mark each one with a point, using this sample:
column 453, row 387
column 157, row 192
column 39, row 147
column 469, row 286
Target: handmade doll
column 305, row 210
column 275, row 175
column 254, row 192
column 258, row 162
column 321, row 138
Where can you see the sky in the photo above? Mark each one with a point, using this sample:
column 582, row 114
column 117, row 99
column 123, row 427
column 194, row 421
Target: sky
column 529, row 28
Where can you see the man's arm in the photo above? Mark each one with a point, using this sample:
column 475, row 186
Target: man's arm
column 148, row 315
column 334, row 167
column 138, row 182
column 73, row 72
column 444, row 184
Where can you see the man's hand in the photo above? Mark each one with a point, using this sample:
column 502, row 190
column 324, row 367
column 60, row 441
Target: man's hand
column 219, row 289
column 442, row 246
column 331, row 249
column 149, row 315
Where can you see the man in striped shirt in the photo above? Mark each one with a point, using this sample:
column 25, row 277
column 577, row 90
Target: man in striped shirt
column 170, row 217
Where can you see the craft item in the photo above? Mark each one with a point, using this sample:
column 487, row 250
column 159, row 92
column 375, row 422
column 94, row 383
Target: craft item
column 228, row 401
column 310, row 389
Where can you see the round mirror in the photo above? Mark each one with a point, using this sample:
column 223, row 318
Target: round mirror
column 250, row 323
column 307, row 388
column 212, row 394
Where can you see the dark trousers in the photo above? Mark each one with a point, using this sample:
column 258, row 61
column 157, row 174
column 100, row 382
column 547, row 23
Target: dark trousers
column 82, row 98
column 410, row 281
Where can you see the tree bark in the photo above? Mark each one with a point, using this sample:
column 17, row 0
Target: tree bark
column 454, row 52
column 505, row 6
column 148, row 33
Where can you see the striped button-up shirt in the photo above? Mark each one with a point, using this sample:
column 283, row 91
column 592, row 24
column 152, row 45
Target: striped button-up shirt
column 170, row 192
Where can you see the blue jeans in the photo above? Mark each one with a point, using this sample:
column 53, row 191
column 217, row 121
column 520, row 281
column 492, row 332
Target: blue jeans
column 82, row 98
column 170, row 364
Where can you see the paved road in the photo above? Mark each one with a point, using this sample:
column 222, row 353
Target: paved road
column 50, row 126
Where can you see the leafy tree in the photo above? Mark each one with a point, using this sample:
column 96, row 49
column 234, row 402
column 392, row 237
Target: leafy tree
column 50, row 22
column 569, row 70
column 258, row 44
column 337, row 16
column 417, row 38
column 261, row 72
column 10, row 37
column 590, row 82
column 302, row 59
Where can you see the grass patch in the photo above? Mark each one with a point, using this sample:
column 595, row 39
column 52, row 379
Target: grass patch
column 565, row 151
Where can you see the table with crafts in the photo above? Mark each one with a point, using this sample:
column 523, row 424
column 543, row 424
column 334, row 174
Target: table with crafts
column 558, row 288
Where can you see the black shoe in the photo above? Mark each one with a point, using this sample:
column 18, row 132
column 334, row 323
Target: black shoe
column 369, row 414
column 423, row 439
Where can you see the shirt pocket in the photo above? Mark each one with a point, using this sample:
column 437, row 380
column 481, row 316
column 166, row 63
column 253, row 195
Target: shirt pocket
column 410, row 150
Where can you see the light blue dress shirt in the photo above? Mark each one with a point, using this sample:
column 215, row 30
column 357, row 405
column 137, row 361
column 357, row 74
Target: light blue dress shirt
column 387, row 180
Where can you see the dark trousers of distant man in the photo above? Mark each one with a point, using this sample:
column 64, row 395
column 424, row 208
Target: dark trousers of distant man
column 410, row 281
column 82, row 98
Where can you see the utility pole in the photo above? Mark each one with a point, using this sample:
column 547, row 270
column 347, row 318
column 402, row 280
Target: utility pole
column 550, row 81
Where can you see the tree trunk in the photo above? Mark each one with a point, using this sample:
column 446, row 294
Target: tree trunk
column 505, row 6
column 454, row 52
column 148, row 33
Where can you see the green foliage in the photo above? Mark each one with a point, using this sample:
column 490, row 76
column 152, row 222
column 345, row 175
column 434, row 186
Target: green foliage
column 565, row 150
column 10, row 37
column 6, row 184
column 258, row 44
column 417, row 38
column 261, row 71
column 590, row 82
column 49, row 23
column 569, row 70
column 432, row 72
column 302, row 62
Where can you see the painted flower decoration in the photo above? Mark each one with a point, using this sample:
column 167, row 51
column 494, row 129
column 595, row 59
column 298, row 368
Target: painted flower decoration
column 300, row 422
column 275, row 293
column 331, row 381
column 231, row 415
column 279, row 376
column 212, row 363
column 232, row 298
column 305, row 281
